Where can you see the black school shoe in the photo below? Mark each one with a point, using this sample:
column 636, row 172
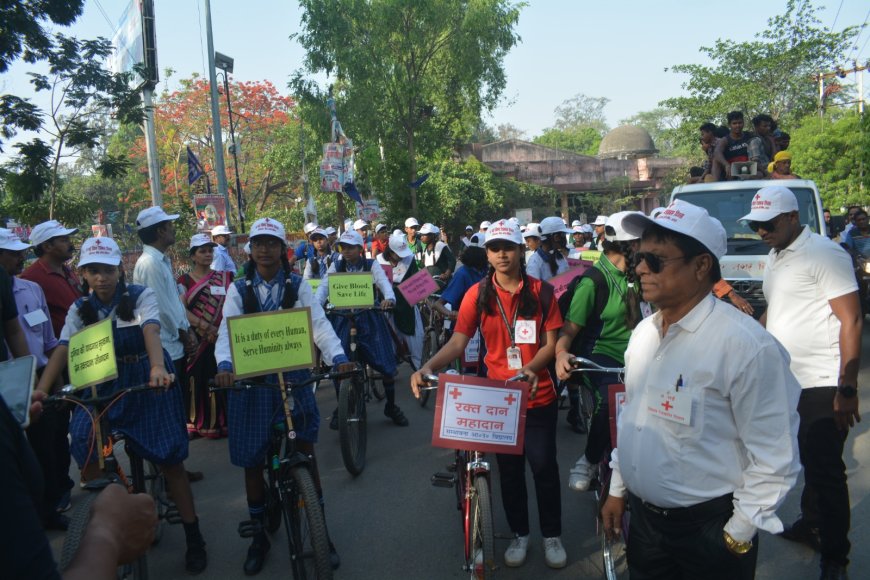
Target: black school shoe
column 803, row 533
column 195, row 558
column 396, row 414
column 257, row 555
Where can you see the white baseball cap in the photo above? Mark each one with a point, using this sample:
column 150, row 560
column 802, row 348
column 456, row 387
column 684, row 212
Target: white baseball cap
column 578, row 229
column 485, row 224
column 429, row 229
column 613, row 230
column 330, row 230
column 576, row 224
column 770, row 202
column 586, row 229
column 656, row 212
column 399, row 245
column 477, row 240
column 351, row 238
column 153, row 215
column 553, row 225
column 684, row 218
column 360, row 225
column 515, row 219
column 47, row 230
column 533, row 230
column 380, row 227
column 504, row 230
column 100, row 251
column 309, row 227
column 247, row 248
column 600, row 220
column 317, row 232
column 221, row 230
column 198, row 240
column 469, row 229
column 268, row 227
column 411, row 222
column 9, row 240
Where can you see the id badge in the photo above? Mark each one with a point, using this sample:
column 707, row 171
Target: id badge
column 35, row 317
column 526, row 332
column 515, row 358
column 218, row 290
column 674, row 406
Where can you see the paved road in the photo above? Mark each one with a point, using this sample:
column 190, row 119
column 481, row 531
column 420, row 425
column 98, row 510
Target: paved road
column 391, row 523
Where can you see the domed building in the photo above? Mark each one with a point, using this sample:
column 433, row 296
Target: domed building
column 627, row 142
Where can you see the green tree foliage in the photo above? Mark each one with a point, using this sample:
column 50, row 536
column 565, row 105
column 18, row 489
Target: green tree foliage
column 582, row 140
column 832, row 152
column 772, row 74
column 411, row 76
column 579, row 126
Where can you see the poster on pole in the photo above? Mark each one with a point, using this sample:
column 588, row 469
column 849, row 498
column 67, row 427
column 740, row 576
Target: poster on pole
column 369, row 210
column 211, row 211
column 418, row 287
column 480, row 414
column 560, row 283
column 271, row 342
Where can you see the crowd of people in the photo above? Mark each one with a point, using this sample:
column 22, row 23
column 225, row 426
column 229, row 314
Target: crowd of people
column 759, row 398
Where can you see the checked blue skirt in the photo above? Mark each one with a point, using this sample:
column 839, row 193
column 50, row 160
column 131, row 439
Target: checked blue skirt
column 373, row 340
column 252, row 413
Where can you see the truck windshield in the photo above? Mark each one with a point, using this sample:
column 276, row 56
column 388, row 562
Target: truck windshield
column 728, row 206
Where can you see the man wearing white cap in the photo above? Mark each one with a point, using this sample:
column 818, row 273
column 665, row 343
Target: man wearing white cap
column 380, row 240
column 362, row 228
column 412, row 226
column 156, row 230
column 48, row 435
column 222, row 262
column 814, row 311
column 53, row 248
column 707, row 441
column 598, row 226
column 466, row 238
column 484, row 225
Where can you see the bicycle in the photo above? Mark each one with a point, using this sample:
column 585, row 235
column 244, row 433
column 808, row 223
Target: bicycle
column 436, row 334
column 145, row 476
column 612, row 551
column 470, row 476
column 353, row 394
column 291, row 496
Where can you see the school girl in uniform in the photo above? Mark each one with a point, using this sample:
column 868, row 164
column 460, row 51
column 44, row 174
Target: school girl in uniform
column 270, row 284
column 548, row 260
column 153, row 422
column 406, row 317
column 508, row 300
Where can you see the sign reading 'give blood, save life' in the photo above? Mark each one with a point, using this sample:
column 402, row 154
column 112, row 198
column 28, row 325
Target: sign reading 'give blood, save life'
column 479, row 414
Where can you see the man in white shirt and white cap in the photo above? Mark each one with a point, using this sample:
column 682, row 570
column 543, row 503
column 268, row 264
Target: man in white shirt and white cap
column 466, row 239
column 362, row 227
column 814, row 311
column 484, row 225
column 412, row 226
column 598, row 226
column 222, row 262
column 707, row 441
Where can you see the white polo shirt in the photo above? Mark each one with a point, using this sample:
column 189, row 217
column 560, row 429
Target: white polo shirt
column 742, row 435
column 799, row 282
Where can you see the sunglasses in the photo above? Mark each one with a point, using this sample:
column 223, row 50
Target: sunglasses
column 768, row 226
column 654, row 263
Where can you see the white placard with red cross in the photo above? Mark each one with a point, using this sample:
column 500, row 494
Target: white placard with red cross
column 479, row 414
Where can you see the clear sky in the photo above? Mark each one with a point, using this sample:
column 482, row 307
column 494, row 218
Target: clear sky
column 616, row 49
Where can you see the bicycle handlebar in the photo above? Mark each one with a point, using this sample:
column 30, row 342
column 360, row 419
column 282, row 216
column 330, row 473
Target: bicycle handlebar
column 584, row 365
column 352, row 312
column 244, row 385
column 432, row 380
column 68, row 393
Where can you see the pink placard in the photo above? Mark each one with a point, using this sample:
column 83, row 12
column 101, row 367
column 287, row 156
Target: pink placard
column 388, row 270
column 560, row 283
column 418, row 287
column 574, row 262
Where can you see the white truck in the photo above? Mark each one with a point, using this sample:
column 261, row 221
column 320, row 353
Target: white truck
column 728, row 201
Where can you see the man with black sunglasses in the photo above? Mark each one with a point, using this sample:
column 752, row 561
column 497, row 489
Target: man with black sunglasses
column 814, row 311
column 707, row 442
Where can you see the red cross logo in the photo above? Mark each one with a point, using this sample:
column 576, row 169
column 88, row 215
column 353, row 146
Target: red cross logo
column 524, row 331
column 97, row 242
column 510, row 399
column 667, row 405
column 455, row 393
column 266, row 220
column 757, row 196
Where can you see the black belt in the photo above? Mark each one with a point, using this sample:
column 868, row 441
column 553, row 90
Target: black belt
column 130, row 359
column 699, row 511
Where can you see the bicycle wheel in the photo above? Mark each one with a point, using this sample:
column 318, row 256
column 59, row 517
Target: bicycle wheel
column 613, row 555
column 307, row 538
column 479, row 537
column 155, row 486
column 352, row 424
column 376, row 386
column 430, row 347
column 588, row 403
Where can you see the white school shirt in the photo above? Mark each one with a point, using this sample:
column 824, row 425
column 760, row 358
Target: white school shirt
column 431, row 257
column 538, row 268
column 378, row 276
column 743, row 435
column 400, row 269
column 146, row 311
column 154, row 270
column 799, row 282
column 324, row 335
column 222, row 262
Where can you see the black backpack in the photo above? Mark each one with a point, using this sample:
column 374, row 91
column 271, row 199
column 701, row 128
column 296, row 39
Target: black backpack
column 585, row 340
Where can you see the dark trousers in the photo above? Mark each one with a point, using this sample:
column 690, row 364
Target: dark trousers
column 825, row 498
column 48, row 438
column 685, row 544
column 540, row 450
column 598, row 441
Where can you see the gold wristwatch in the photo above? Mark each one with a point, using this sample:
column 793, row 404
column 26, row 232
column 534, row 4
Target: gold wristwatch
column 735, row 546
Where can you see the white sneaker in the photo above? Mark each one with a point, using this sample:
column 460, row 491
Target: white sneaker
column 580, row 475
column 554, row 553
column 515, row 555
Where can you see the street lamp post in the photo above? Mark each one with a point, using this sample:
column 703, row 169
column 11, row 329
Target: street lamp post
column 225, row 63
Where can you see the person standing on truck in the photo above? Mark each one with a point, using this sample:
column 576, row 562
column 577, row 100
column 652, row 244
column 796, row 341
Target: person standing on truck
column 814, row 311
column 733, row 148
column 761, row 147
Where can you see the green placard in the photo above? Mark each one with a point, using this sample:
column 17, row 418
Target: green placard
column 314, row 283
column 354, row 290
column 91, row 355
column 271, row 342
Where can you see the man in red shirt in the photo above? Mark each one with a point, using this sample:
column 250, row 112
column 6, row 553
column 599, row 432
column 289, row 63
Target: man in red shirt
column 381, row 240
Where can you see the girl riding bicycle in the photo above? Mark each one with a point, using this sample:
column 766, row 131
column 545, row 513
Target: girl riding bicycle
column 152, row 422
column 270, row 285
column 406, row 317
column 508, row 293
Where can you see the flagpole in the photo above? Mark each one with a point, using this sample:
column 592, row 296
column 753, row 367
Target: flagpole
column 219, row 168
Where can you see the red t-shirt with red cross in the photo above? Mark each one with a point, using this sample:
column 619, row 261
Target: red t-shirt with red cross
column 497, row 339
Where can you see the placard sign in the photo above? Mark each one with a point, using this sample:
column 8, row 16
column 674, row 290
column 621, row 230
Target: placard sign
column 351, row 290
column 271, row 342
column 418, row 287
column 618, row 399
column 479, row 414
column 91, row 355
column 560, row 283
